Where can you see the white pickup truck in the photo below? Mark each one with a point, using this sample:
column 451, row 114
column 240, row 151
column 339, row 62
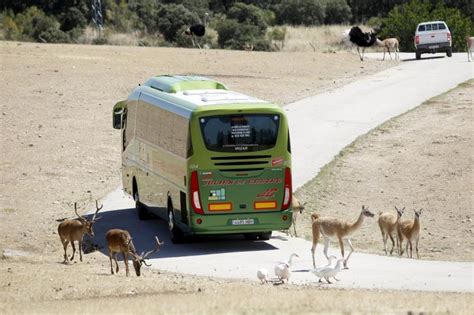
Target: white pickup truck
column 432, row 37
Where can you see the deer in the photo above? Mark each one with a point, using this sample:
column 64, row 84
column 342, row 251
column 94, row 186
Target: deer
column 330, row 228
column 388, row 223
column 121, row 241
column 74, row 230
column 409, row 230
column 469, row 44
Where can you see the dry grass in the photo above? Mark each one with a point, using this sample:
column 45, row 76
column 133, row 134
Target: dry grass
column 324, row 38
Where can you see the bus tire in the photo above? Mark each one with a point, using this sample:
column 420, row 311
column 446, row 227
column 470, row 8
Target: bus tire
column 142, row 211
column 265, row 236
column 176, row 235
column 251, row 236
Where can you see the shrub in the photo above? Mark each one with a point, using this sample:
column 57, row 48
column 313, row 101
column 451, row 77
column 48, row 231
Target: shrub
column 173, row 19
column 301, row 12
column 337, row 12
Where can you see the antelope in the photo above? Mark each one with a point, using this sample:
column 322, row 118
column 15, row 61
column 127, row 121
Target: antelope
column 330, row 228
column 388, row 225
column 469, row 44
column 387, row 44
column 74, row 230
column 247, row 47
column 298, row 208
column 409, row 230
column 121, row 241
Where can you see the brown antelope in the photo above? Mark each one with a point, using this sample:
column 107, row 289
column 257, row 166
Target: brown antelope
column 409, row 230
column 330, row 228
column 248, row 47
column 389, row 44
column 469, row 47
column 74, row 230
column 121, row 241
column 298, row 208
column 388, row 223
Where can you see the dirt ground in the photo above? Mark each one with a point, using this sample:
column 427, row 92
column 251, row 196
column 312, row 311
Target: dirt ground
column 58, row 147
column 421, row 159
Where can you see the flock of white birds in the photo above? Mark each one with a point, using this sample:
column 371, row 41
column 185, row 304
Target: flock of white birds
column 283, row 271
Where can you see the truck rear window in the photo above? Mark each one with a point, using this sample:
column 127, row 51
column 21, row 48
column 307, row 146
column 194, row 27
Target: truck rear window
column 240, row 133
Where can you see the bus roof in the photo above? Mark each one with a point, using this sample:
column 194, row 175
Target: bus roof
column 186, row 94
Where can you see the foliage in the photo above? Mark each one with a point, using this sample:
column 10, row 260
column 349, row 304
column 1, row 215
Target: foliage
column 245, row 24
column 337, row 12
column 277, row 37
column 301, row 12
column 402, row 21
column 34, row 24
column 174, row 18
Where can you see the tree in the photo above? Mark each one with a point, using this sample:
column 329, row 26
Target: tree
column 337, row 12
column 301, row 12
column 172, row 18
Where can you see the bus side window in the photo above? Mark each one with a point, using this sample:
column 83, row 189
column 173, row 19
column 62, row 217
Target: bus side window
column 124, row 129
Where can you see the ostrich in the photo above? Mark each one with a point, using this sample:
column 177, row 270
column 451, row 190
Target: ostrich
column 197, row 30
column 361, row 39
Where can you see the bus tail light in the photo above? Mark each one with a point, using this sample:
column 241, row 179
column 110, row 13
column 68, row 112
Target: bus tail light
column 417, row 39
column 287, row 193
column 265, row 205
column 221, row 206
column 195, row 199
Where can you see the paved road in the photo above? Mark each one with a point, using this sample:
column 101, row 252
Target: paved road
column 321, row 126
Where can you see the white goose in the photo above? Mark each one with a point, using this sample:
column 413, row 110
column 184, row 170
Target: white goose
column 327, row 271
column 262, row 275
column 283, row 269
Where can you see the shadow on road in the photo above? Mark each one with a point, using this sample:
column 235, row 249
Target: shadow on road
column 144, row 232
column 425, row 58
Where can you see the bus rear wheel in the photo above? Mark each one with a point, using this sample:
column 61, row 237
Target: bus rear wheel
column 142, row 211
column 176, row 235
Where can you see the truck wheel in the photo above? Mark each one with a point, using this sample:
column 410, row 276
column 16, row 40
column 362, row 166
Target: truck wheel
column 142, row 210
column 418, row 55
column 449, row 53
column 176, row 235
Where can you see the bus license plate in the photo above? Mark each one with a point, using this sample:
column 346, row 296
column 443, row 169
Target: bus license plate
column 243, row 222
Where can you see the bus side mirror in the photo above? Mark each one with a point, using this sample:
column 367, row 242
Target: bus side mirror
column 117, row 115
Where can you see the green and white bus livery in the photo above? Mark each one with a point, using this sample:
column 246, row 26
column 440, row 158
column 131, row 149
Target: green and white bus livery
column 206, row 159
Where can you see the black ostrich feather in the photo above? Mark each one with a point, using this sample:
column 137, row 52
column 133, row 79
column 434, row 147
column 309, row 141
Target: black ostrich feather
column 360, row 38
column 197, row 30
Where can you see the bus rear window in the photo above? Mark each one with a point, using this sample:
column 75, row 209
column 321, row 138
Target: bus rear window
column 240, row 133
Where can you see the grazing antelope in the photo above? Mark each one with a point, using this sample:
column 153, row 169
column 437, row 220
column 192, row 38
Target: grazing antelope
column 469, row 47
column 330, row 228
column 409, row 230
column 389, row 44
column 74, row 230
column 121, row 241
column 388, row 223
column 297, row 208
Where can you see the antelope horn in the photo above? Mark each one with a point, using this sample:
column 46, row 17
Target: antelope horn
column 145, row 263
column 97, row 210
column 78, row 215
column 157, row 248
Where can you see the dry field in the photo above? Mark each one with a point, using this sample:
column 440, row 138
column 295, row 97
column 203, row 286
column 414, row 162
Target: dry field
column 58, row 147
column 421, row 159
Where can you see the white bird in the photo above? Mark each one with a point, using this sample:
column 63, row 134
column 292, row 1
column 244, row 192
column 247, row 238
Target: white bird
column 283, row 272
column 327, row 271
column 290, row 260
column 262, row 275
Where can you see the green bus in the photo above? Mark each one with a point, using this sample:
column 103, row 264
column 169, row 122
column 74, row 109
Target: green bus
column 206, row 159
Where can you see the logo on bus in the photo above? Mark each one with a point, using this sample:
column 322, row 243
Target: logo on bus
column 277, row 161
column 268, row 193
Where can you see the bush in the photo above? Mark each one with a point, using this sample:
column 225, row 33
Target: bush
column 337, row 12
column 301, row 12
column 245, row 24
column 402, row 21
column 173, row 19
